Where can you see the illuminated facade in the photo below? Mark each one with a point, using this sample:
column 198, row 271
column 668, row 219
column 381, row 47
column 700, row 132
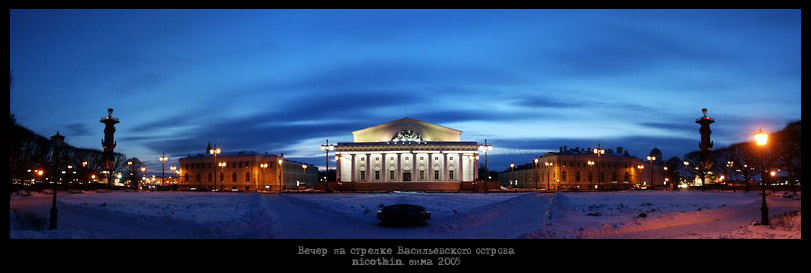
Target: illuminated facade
column 582, row 169
column 407, row 151
column 244, row 171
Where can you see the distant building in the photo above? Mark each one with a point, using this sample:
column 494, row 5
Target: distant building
column 243, row 171
column 582, row 169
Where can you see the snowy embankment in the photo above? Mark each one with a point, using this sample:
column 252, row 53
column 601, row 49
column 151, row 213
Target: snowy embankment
column 649, row 214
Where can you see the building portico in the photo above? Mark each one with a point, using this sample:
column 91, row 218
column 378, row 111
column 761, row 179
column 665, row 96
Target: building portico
column 413, row 152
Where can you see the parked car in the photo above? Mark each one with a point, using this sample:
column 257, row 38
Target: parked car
column 403, row 214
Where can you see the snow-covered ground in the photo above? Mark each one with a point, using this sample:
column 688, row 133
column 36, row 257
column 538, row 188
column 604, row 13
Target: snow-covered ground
column 643, row 214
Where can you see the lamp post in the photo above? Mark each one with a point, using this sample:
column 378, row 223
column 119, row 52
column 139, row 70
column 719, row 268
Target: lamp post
column 761, row 138
column 599, row 152
column 591, row 165
column 132, row 173
column 536, row 173
column 215, row 152
column 548, row 181
column 175, row 171
column 57, row 140
column 143, row 175
column 163, row 159
column 281, row 171
column 222, row 170
column 303, row 174
column 486, row 147
column 640, row 168
column 326, row 148
column 651, row 159
column 512, row 175
column 264, row 167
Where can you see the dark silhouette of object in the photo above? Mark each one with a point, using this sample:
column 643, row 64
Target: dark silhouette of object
column 58, row 140
column 109, row 144
column 705, row 147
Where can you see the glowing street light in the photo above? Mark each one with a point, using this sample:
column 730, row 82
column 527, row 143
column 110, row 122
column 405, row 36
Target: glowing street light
column 512, row 175
column 222, row 166
column 598, row 151
column 163, row 159
column 486, row 148
column 760, row 139
column 264, row 166
column 651, row 159
column 537, row 178
column 215, row 152
column 326, row 148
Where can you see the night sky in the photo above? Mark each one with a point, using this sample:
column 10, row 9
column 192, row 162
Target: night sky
column 284, row 81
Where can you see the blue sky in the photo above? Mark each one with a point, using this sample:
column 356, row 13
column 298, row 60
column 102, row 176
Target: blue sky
column 283, row 81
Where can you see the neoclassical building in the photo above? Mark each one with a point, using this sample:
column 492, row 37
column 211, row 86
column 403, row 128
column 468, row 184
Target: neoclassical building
column 407, row 154
column 583, row 169
column 244, row 171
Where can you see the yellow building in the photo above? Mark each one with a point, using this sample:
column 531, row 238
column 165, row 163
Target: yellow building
column 244, row 171
column 583, row 169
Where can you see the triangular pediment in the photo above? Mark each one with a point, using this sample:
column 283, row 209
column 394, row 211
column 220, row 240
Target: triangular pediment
column 407, row 129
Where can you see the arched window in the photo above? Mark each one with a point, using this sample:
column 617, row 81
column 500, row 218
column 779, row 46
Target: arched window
column 627, row 177
column 614, row 176
column 563, row 176
column 198, row 177
column 187, row 177
column 577, row 176
column 591, row 177
column 234, row 177
column 248, row 177
column 209, row 177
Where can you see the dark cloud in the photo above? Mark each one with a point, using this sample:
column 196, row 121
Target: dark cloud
column 78, row 129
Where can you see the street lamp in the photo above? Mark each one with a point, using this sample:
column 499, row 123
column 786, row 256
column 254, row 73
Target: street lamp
column 597, row 151
column 304, row 174
column 175, row 171
column 215, row 152
column 761, row 138
column 281, row 171
column 326, row 148
column 486, row 148
column 264, row 166
column 591, row 165
column 536, row 174
column 640, row 168
column 222, row 167
column 512, row 175
column 132, row 173
column 163, row 159
column 57, row 140
column 651, row 159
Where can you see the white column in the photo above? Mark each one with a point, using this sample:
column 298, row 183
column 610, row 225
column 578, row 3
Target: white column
column 475, row 167
column 399, row 175
column 461, row 172
column 415, row 176
column 338, row 169
column 368, row 167
column 445, row 167
column 384, row 170
column 354, row 178
column 430, row 167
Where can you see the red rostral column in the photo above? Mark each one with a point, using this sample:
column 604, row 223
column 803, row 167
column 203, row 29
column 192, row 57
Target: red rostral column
column 109, row 144
column 705, row 146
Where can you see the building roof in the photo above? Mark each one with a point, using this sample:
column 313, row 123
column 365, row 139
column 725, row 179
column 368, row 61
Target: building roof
column 420, row 129
column 227, row 154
